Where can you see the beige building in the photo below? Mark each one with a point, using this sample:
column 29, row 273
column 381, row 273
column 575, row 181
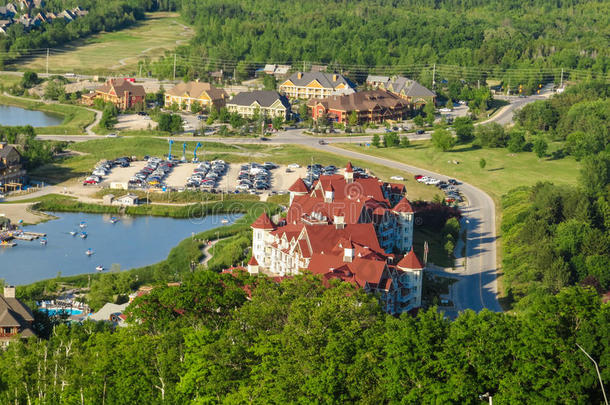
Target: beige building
column 268, row 103
column 185, row 94
column 316, row 85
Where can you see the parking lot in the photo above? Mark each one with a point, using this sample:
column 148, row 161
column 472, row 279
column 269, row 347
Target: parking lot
column 156, row 173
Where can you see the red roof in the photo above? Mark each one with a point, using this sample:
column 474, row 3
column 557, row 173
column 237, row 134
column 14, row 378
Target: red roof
column 403, row 206
column 263, row 222
column 410, row 261
column 349, row 168
column 253, row 261
column 298, row 186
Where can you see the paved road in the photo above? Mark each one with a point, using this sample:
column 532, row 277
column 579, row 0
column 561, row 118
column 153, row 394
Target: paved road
column 477, row 285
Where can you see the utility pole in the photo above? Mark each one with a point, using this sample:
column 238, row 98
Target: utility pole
column 561, row 79
column 601, row 383
column 478, row 83
column 47, row 62
column 433, row 75
column 174, row 66
column 140, row 74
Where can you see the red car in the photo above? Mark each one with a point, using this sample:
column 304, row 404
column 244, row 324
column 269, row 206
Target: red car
column 418, row 176
column 89, row 182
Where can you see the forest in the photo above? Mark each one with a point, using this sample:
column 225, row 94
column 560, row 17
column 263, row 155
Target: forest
column 297, row 341
column 399, row 36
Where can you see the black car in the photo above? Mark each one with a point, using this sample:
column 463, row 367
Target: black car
column 322, row 142
column 453, row 182
column 263, row 138
column 419, row 131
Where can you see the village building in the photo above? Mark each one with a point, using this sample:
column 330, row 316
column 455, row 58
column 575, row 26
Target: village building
column 350, row 227
column 127, row 200
column 266, row 103
column 185, row 94
column 120, row 92
column 410, row 90
column 12, row 172
column 15, row 317
column 308, row 85
column 369, row 106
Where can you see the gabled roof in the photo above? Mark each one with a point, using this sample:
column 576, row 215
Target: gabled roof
column 410, row 87
column 299, row 186
column 325, row 79
column 120, row 86
column 196, row 89
column 263, row 98
column 263, row 222
column 253, row 261
column 410, row 261
column 349, row 168
column 361, row 101
column 403, row 206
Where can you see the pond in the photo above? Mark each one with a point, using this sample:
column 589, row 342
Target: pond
column 13, row 116
column 131, row 242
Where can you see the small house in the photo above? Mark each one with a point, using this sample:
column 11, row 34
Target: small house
column 127, row 200
column 108, row 199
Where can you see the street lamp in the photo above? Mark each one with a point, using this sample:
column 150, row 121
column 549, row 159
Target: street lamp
column 601, row 383
column 487, row 395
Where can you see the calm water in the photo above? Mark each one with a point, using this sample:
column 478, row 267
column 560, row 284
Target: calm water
column 131, row 242
column 12, row 116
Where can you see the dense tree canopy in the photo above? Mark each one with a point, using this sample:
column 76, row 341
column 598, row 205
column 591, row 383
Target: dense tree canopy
column 300, row 342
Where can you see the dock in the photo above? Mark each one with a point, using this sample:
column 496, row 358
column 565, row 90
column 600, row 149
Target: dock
column 29, row 236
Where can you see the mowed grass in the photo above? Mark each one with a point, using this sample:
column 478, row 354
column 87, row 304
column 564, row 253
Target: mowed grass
column 503, row 172
column 119, row 51
column 75, row 118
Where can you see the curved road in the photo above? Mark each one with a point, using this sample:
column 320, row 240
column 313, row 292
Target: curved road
column 476, row 288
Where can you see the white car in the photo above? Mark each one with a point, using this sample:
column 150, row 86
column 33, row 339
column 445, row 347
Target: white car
column 294, row 166
column 423, row 179
column 399, row 178
column 112, row 136
column 432, row 182
column 444, row 109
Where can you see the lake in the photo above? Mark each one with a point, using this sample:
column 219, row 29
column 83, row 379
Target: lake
column 131, row 242
column 13, row 116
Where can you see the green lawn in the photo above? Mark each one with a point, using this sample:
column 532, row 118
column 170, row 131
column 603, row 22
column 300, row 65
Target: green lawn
column 75, row 118
column 117, row 52
column 503, row 172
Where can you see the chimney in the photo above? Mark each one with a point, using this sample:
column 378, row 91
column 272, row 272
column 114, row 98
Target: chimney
column 348, row 253
column 9, row 291
column 334, row 78
column 339, row 221
column 299, row 75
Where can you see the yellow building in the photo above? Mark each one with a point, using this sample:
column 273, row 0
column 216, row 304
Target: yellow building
column 309, row 85
column 185, row 94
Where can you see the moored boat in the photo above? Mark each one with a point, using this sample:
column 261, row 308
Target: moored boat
column 43, row 241
column 99, row 268
column 89, row 252
column 73, row 233
column 83, row 224
column 83, row 235
column 114, row 220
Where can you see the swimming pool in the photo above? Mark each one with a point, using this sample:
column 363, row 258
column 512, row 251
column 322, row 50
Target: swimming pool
column 69, row 311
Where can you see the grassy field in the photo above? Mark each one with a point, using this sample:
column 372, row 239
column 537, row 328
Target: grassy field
column 503, row 172
column 114, row 52
column 75, row 118
column 8, row 80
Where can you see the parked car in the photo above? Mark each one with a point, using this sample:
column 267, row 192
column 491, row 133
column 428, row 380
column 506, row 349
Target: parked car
column 398, row 178
column 420, row 131
column 322, row 142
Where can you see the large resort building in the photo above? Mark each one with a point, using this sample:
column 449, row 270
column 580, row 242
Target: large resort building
column 350, row 227
column 184, row 95
column 410, row 90
column 308, row 85
column 369, row 106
